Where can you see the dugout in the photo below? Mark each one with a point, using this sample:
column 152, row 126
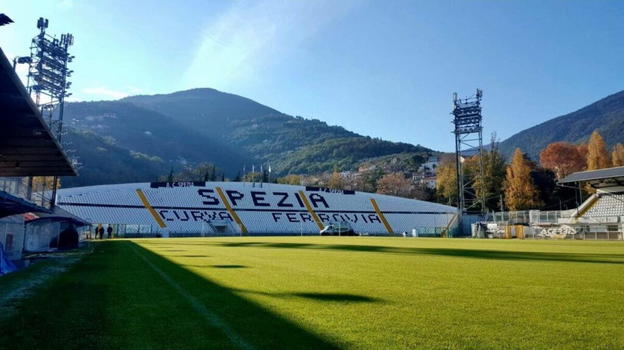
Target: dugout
column 55, row 230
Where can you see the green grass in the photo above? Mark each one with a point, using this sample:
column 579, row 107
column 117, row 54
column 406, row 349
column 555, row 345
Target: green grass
column 327, row 292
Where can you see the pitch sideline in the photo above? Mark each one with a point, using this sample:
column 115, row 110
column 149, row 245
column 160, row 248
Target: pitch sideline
column 199, row 307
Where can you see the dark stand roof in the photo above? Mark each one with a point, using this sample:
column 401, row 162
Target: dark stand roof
column 608, row 175
column 57, row 214
column 27, row 147
column 4, row 19
column 11, row 205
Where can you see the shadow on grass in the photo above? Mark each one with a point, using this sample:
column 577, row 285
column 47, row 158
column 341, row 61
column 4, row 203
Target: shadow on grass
column 140, row 300
column 254, row 324
column 465, row 253
column 217, row 266
column 343, row 297
column 318, row 296
column 229, row 266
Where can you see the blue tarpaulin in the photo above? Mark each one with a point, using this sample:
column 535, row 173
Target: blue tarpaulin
column 6, row 265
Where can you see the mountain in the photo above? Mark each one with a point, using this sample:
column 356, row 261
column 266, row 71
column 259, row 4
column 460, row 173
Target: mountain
column 128, row 130
column 208, row 110
column 205, row 125
column 105, row 162
column 606, row 115
column 264, row 133
column 149, row 132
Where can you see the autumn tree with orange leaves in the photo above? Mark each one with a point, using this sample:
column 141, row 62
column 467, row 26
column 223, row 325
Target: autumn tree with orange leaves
column 395, row 184
column 617, row 156
column 597, row 155
column 336, row 181
column 520, row 192
column 562, row 158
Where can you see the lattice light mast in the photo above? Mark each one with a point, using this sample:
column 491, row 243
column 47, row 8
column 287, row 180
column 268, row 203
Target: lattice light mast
column 48, row 76
column 468, row 143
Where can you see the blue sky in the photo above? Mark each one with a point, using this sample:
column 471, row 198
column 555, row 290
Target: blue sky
column 381, row 68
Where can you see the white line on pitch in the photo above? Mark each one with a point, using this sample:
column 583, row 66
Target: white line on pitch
column 201, row 309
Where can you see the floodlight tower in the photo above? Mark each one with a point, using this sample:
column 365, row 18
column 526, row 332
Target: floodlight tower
column 48, row 77
column 468, row 143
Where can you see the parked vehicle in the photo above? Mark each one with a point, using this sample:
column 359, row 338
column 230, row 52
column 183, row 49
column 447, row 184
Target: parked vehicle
column 338, row 229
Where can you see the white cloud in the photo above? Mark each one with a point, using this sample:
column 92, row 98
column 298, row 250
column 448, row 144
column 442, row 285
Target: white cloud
column 251, row 36
column 22, row 72
column 66, row 4
column 133, row 90
column 21, row 69
column 104, row 92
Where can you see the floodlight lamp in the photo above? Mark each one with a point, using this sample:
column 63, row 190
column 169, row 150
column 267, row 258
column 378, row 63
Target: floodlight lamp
column 42, row 23
column 24, row 59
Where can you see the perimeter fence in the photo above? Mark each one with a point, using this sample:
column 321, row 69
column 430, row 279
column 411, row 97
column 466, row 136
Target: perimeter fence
column 536, row 224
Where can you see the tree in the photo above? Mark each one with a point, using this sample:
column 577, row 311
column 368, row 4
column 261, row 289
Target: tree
column 265, row 175
column 200, row 172
column 367, row 180
column 207, row 171
column 422, row 192
column 562, row 158
column 545, row 184
column 395, row 184
column 520, row 193
column 582, row 149
column 446, row 181
column 253, row 176
column 490, row 186
column 290, row 180
column 597, row 155
column 43, row 183
column 210, row 169
column 335, row 181
column 617, row 156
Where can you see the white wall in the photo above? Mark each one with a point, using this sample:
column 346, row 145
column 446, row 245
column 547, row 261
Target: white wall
column 12, row 236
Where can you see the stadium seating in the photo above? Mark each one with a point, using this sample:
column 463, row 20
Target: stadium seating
column 278, row 209
column 608, row 204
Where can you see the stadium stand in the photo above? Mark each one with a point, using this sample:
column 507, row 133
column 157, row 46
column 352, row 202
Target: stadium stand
column 606, row 204
column 601, row 216
column 241, row 208
column 27, row 148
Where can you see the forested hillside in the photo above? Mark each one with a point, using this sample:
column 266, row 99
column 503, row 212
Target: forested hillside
column 181, row 129
column 605, row 115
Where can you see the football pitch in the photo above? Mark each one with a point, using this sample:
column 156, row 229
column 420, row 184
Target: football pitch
column 323, row 292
